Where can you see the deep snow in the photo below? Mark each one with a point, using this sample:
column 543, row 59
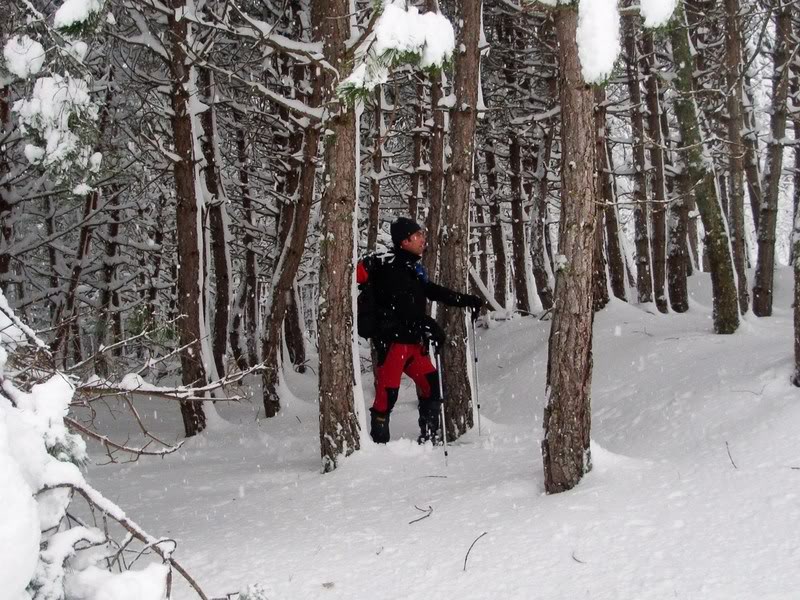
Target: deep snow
column 664, row 514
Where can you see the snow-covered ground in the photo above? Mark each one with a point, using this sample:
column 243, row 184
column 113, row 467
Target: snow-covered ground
column 695, row 491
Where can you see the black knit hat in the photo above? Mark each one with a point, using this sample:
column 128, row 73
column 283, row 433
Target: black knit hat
column 402, row 229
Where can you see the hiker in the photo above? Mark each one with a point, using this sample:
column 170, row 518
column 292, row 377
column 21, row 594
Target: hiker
column 402, row 330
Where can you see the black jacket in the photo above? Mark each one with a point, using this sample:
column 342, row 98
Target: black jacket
column 402, row 290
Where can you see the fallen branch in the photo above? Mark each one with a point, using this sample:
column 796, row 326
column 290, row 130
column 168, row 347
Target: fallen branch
column 112, row 511
column 728, row 448
column 111, row 445
column 428, row 512
column 470, row 548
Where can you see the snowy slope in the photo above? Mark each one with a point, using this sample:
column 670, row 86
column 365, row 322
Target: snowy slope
column 664, row 514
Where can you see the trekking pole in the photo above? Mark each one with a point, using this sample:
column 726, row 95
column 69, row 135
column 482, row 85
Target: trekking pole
column 441, row 397
column 475, row 368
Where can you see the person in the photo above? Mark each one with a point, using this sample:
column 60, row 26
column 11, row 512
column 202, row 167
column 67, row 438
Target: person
column 403, row 328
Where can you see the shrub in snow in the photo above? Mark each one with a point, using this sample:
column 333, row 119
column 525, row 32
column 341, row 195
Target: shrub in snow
column 402, row 35
column 45, row 553
column 254, row 592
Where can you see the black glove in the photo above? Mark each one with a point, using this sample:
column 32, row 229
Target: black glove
column 431, row 332
column 474, row 303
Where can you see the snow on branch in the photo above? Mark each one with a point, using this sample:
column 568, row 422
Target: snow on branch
column 46, row 552
column 402, row 35
column 598, row 34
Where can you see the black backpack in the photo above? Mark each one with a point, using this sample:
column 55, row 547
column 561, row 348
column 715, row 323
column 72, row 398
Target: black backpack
column 367, row 323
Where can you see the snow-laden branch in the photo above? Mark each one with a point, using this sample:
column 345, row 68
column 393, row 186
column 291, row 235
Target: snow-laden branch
column 39, row 458
column 398, row 35
column 598, row 34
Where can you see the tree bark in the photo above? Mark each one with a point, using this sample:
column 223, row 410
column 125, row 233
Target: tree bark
column 519, row 245
column 658, row 240
column 455, row 215
column 291, row 242
column 245, row 316
column 293, row 330
column 726, row 308
column 607, row 196
column 498, row 239
column 373, row 220
column 733, row 80
column 644, row 276
column 567, row 416
column 191, row 276
column 436, row 183
column 768, row 219
column 6, row 205
column 752, row 151
column 338, row 426
column 539, row 260
column 217, row 224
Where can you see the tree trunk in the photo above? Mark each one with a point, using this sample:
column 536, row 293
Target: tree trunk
column 6, row 206
column 644, row 276
column 607, row 196
column 415, row 193
column 66, row 314
column 455, row 214
column 539, row 260
column 291, row 243
column 191, row 273
column 373, row 218
column 701, row 176
column 436, row 185
column 658, row 241
column 245, row 314
column 752, row 152
column 796, row 237
column 768, row 219
column 733, row 81
column 109, row 308
column 338, row 426
column 567, row 417
column 600, row 297
column 293, row 330
column 217, row 223
column 519, row 245
column 498, row 239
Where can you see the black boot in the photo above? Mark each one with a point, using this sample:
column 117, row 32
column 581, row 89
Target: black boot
column 379, row 426
column 429, row 427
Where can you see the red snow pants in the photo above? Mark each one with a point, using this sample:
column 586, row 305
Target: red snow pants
column 410, row 359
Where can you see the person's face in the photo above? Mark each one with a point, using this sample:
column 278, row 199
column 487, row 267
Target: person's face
column 415, row 243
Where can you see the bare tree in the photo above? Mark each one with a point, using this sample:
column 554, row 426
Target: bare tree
column 454, row 255
column 567, row 415
column 768, row 218
column 338, row 427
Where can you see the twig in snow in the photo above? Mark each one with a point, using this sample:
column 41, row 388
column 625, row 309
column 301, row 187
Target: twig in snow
column 750, row 391
column 436, row 476
column 728, row 448
column 428, row 511
column 470, row 548
column 795, row 468
column 577, row 560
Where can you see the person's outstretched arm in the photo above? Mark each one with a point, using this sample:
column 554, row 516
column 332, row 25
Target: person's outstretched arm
column 438, row 293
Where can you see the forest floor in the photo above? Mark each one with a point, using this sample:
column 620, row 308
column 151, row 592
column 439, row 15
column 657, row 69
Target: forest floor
column 694, row 494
